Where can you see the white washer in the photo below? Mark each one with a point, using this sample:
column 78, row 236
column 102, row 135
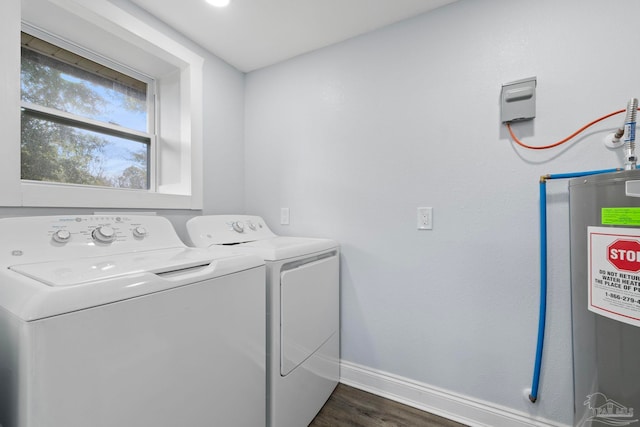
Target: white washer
column 303, row 335
column 113, row 321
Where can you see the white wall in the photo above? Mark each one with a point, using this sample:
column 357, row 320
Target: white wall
column 223, row 157
column 352, row 138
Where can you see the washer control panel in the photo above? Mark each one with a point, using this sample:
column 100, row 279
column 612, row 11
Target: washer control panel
column 103, row 230
column 84, row 235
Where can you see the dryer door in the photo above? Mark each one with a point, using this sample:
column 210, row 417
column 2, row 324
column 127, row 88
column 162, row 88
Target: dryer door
column 309, row 309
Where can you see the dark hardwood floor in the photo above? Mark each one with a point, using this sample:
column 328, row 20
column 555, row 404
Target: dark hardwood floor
column 351, row 407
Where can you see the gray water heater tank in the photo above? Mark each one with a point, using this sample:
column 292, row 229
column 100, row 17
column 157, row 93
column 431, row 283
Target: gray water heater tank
column 606, row 338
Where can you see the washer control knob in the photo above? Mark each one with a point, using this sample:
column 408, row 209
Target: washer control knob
column 61, row 236
column 140, row 232
column 251, row 225
column 238, row 226
column 104, row 234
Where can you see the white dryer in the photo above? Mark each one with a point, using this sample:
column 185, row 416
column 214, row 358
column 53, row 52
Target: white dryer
column 303, row 335
column 113, row 321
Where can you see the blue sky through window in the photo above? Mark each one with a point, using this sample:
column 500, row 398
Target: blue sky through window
column 114, row 99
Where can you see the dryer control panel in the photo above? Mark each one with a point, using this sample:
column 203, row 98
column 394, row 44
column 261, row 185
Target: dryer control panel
column 227, row 229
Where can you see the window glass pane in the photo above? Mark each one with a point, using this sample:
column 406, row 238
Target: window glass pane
column 57, row 152
column 56, row 78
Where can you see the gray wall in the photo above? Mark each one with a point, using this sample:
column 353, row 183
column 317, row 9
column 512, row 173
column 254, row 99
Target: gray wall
column 352, row 138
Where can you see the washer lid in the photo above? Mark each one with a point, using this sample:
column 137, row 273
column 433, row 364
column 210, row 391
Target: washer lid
column 87, row 270
column 278, row 248
column 33, row 291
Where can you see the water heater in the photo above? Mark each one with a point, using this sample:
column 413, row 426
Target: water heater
column 605, row 298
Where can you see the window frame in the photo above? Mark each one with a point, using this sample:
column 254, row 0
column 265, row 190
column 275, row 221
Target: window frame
column 178, row 157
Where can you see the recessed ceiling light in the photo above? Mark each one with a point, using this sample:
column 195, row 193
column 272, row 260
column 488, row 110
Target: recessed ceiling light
column 218, row 3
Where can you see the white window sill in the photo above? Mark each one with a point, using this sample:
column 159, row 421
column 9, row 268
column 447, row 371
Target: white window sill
column 36, row 194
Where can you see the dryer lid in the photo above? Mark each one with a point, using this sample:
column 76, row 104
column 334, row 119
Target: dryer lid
column 279, row 248
column 249, row 234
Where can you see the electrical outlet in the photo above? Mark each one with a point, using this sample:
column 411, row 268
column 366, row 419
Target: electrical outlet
column 425, row 218
column 284, row 216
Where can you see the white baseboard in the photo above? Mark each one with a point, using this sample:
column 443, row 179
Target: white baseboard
column 453, row 406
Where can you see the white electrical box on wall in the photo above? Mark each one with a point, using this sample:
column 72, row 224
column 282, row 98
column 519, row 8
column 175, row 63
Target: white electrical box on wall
column 518, row 100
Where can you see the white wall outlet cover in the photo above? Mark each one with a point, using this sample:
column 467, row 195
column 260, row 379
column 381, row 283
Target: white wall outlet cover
column 284, row 216
column 425, row 218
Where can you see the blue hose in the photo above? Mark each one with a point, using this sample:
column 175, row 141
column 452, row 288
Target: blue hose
column 579, row 174
column 543, row 290
column 533, row 396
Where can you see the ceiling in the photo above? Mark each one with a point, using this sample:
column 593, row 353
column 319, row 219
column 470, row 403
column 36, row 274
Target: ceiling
column 251, row 34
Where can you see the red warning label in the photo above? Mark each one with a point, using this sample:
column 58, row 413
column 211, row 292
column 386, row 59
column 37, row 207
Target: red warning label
column 614, row 273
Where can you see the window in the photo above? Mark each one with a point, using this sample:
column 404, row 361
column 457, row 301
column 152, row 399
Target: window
column 146, row 158
column 83, row 122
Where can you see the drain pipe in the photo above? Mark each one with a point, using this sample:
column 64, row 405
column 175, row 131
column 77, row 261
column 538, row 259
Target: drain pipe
column 533, row 396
